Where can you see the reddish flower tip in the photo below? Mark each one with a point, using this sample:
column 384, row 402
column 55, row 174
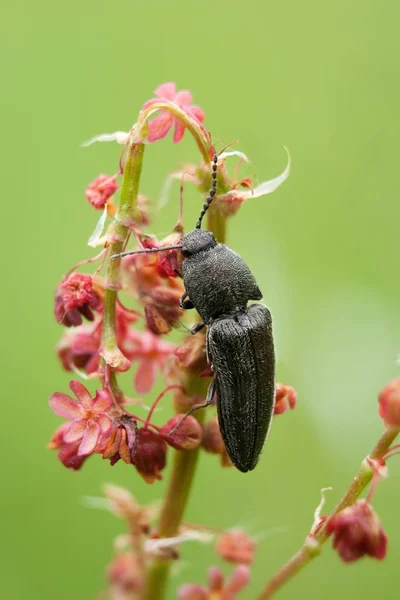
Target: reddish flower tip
column 187, row 434
column 285, row 398
column 125, row 575
column 75, row 298
column 160, row 126
column 217, row 587
column 236, row 547
column 357, row 532
column 150, row 456
column 100, row 191
column 389, row 403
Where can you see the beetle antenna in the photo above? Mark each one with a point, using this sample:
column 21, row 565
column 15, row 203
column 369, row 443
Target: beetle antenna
column 147, row 251
column 211, row 193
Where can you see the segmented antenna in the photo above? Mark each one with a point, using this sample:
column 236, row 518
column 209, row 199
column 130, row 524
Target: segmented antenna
column 211, row 193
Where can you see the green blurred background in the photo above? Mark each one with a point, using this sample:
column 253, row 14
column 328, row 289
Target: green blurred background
column 322, row 79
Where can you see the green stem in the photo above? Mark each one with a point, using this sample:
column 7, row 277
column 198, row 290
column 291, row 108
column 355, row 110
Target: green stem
column 312, row 546
column 120, row 231
column 181, row 479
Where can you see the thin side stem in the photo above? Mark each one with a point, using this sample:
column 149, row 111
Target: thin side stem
column 313, row 544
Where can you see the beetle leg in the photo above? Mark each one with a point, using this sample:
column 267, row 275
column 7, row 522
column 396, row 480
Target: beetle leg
column 196, row 328
column 209, row 398
column 184, row 303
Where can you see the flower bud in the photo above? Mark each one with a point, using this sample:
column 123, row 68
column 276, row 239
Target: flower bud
column 236, row 547
column 100, row 191
column 125, row 575
column 389, row 403
column 162, row 309
column 357, row 531
column 75, row 297
column 150, row 456
column 187, row 434
column 191, row 354
column 212, row 441
column 285, row 398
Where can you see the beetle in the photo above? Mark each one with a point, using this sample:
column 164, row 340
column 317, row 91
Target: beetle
column 239, row 338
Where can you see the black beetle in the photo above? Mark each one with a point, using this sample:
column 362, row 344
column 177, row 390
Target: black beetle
column 240, row 346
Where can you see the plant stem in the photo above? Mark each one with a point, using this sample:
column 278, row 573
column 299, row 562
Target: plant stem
column 120, row 231
column 182, row 475
column 312, row 546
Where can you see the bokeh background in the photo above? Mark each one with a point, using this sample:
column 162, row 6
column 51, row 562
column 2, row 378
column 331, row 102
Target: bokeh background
column 321, row 78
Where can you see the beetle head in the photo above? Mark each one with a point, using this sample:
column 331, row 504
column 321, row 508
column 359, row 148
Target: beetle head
column 197, row 241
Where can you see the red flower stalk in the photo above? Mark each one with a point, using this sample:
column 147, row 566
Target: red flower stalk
column 75, row 298
column 236, row 547
column 217, row 588
column 357, row 532
column 389, row 403
column 285, row 398
column 160, row 126
column 100, row 191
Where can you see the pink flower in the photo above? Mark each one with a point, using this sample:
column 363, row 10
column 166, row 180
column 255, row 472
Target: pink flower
column 76, row 297
column 79, row 348
column 100, row 191
column 125, row 576
column 285, row 398
column 68, row 453
column 217, row 588
column 89, row 419
column 236, row 547
column 357, row 531
column 389, row 403
column 151, row 352
column 160, row 126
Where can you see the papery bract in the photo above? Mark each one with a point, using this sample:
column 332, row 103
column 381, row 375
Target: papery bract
column 122, row 441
